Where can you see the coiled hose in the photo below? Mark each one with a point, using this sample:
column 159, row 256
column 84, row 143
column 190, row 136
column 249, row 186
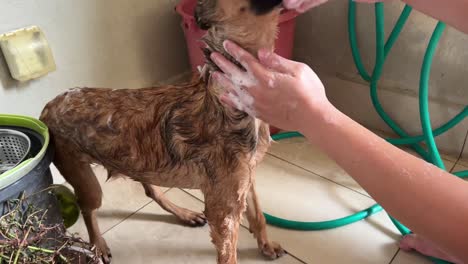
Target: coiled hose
column 431, row 154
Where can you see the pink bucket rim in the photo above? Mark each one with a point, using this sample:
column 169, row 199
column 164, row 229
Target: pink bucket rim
column 181, row 10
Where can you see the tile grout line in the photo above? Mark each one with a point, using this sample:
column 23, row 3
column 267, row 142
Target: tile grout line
column 245, row 227
column 127, row 217
column 460, row 155
column 327, row 180
column 316, row 174
column 445, row 157
column 463, row 163
column 132, row 214
column 192, row 195
column 394, row 256
column 196, row 198
column 296, row 258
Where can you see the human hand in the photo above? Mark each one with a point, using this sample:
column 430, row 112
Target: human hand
column 281, row 92
column 302, row 6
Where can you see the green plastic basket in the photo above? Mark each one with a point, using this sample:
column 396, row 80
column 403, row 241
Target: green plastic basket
column 11, row 176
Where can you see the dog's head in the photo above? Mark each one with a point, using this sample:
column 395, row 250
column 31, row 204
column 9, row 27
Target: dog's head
column 212, row 12
column 252, row 24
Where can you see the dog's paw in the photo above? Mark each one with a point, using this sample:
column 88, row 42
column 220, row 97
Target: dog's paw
column 192, row 219
column 272, row 250
column 104, row 250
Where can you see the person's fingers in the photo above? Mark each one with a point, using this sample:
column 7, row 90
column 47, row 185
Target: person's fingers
column 238, row 53
column 292, row 4
column 235, row 96
column 251, row 112
column 226, row 99
column 225, row 82
column 236, row 102
column 368, row 1
column 425, row 246
column 302, row 6
column 309, row 5
column 225, row 65
column 240, row 91
column 247, row 60
column 275, row 62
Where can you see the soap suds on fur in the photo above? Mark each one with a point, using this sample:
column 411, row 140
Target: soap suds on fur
column 242, row 99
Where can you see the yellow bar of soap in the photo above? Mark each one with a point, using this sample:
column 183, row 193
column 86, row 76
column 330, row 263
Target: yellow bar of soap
column 27, row 53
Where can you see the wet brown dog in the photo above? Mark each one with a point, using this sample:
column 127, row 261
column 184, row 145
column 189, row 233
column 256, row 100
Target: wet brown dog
column 174, row 136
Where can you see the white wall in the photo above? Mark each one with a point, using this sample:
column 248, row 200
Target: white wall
column 118, row 43
column 322, row 42
column 98, row 43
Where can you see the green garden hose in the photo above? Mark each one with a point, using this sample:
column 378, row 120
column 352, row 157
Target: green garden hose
column 308, row 226
column 424, row 96
column 431, row 155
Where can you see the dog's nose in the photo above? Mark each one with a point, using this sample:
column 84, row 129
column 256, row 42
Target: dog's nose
column 261, row 7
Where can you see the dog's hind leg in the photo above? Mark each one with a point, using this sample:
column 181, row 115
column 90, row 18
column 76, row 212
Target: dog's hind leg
column 186, row 216
column 257, row 226
column 89, row 195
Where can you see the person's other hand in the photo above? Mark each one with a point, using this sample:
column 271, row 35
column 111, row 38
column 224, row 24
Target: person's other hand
column 304, row 5
column 281, row 92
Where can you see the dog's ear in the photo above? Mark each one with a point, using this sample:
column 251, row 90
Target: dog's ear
column 261, row 7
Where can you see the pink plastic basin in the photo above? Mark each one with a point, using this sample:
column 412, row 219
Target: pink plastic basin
column 193, row 34
column 283, row 46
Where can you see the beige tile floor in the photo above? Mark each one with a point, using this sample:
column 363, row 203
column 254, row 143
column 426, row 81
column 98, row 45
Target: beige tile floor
column 295, row 181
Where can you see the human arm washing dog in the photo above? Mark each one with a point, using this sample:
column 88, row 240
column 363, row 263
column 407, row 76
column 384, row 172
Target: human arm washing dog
column 403, row 184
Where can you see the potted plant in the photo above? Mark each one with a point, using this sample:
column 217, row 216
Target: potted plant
column 32, row 209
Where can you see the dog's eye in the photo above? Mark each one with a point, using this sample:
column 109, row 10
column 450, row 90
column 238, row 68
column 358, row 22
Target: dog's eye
column 243, row 9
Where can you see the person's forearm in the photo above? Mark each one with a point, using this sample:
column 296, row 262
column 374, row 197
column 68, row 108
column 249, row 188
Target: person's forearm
column 431, row 202
column 453, row 12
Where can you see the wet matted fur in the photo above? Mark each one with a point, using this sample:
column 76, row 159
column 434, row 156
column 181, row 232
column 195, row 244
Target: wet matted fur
column 174, row 136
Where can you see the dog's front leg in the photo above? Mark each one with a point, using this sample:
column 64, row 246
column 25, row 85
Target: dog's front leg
column 88, row 192
column 225, row 202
